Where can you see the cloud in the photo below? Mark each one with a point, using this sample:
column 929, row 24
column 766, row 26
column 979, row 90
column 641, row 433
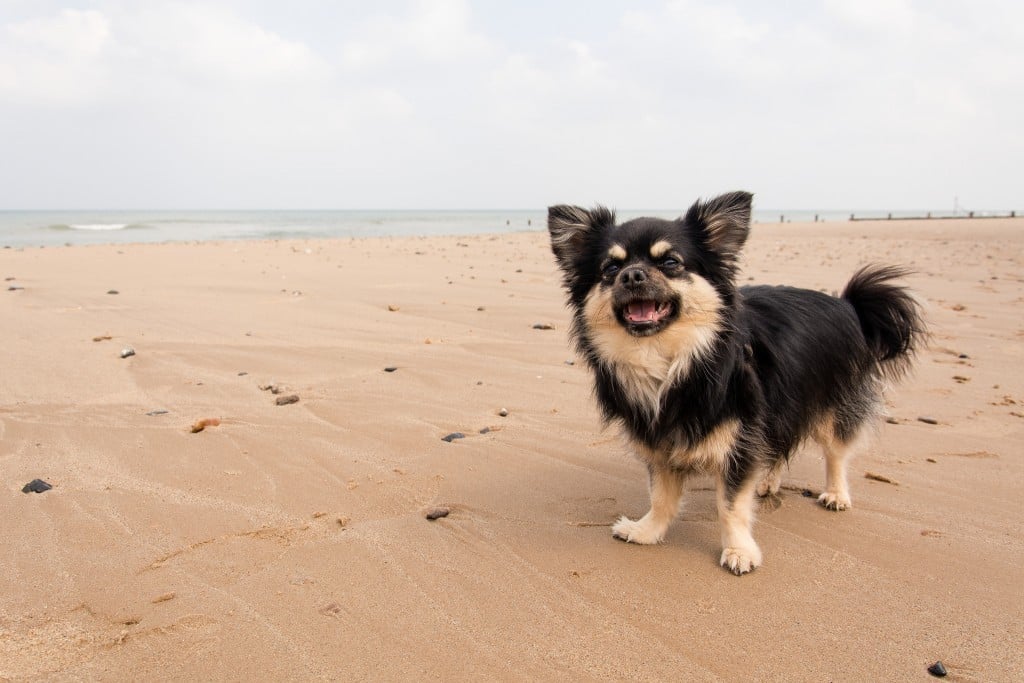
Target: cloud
column 434, row 31
column 54, row 60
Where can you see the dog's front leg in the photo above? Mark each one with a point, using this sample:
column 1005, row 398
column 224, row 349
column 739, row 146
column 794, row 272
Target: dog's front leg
column 666, row 495
column 740, row 553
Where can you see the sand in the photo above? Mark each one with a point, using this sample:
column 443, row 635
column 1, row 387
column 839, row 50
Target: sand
column 290, row 542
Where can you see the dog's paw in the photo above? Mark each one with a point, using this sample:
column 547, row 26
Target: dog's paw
column 741, row 560
column 769, row 484
column 637, row 531
column 832, row 500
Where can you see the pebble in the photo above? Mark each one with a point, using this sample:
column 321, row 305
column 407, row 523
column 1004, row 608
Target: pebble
column 503, row 412
column 113, row 291
column 36, row 486
column 937, row 669
column 543, row 326
column 963, row 356
column 14, row 288
column 485, row 430
column 154, row 413
column 454, row 435
column 437, row 513
column 928, row 420
column 127, row 351
column 285, row 400
column 892, row 420
column 390, row 368
column 204, row 423
column 393, row 308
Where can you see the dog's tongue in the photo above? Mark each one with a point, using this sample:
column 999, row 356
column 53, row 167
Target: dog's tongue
column 642, row 312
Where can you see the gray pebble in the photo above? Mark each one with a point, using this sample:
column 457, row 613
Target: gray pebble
column 127, row 351
column 928, row 420
column 453, row 436
column 36, row 486
column 543, row 326
column 285, row 400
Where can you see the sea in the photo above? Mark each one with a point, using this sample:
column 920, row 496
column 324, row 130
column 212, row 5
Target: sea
column 21, row 229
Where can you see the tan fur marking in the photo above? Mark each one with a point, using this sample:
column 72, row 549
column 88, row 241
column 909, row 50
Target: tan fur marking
column 660, row 248
column 711, row 454
column 617, row 253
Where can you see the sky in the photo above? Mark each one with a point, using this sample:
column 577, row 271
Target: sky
column 465, row 104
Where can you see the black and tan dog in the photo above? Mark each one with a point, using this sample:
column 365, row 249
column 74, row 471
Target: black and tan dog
column 709, row 378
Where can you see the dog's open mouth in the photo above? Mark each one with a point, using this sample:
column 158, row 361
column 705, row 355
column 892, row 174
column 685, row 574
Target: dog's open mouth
column 646, row 316
column 646, row 311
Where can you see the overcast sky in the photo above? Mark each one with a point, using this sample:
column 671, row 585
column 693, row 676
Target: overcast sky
column 888, row 104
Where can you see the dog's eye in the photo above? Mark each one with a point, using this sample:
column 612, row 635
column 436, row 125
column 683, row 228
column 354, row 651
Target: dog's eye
column 610, row 269
column 670, row 262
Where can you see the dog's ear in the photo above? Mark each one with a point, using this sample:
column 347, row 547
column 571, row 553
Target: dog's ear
column 724, row 222
column 571, row 226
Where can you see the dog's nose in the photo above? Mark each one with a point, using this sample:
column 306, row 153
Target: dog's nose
column 633, row 276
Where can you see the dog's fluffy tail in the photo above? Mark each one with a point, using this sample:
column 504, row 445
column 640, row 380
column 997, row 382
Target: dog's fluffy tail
column 889, row 315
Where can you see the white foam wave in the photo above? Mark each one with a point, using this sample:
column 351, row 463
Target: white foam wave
column 98, row 226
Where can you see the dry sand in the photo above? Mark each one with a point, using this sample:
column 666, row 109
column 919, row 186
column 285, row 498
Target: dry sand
column 290, row 543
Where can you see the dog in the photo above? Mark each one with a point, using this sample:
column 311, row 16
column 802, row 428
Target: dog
column 709, row 378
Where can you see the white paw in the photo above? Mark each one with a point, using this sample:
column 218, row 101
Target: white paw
column 833, row 500
column 640, row 531
column 740, row 560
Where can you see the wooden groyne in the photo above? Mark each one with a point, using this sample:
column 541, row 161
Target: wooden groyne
column 929, row 216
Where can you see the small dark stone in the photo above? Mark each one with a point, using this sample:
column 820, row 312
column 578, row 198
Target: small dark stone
column 243, row 373
column 807, row 493
column 964, row 356
column 437, row 513
column 454, row 435
column 485, row 430
column 937, row 669
column 14, row 288
column 928, row 420
column 113, row 291
column 154, row 413
column 543, row 326
column 36, row 486
column 285, row 400
column 390, row 368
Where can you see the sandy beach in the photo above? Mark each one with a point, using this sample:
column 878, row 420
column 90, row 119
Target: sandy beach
column 290, row 542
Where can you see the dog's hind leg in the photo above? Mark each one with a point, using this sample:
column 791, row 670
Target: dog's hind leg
column 740, row 553
column 839, row 443
column 666, row 495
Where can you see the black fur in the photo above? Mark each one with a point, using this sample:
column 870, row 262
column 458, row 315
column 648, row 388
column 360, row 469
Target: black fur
column 780, row 364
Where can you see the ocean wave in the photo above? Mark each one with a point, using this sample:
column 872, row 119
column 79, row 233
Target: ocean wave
column 98, row 227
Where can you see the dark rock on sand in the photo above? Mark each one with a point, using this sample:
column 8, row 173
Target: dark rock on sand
column 454, row 435
column 36, row 486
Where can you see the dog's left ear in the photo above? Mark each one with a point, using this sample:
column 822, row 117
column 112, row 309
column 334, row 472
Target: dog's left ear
column 571, row 226
column 724, row 222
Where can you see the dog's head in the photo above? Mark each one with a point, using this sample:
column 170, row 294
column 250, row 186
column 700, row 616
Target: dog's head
column 649, row 275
